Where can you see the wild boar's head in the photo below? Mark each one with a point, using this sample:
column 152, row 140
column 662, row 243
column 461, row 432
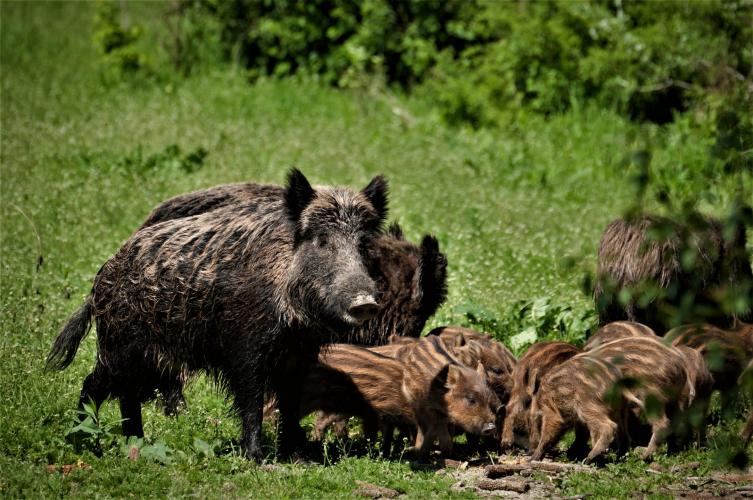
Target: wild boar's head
column 334, row 229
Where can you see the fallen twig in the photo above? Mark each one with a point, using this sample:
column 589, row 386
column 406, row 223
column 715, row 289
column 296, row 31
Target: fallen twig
column 501, row 470
column 518, row 486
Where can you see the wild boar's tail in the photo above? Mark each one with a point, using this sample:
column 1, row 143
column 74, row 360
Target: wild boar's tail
column 66, row 344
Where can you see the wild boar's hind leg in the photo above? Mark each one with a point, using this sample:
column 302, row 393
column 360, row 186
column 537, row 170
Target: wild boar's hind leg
column 171, row 389
column 96, row 388
column 130, row 411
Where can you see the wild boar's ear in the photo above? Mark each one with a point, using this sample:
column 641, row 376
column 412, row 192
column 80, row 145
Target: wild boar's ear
column 298, row 194
column 396, row 231
column 476, row 348
column 376, row 192
column 440, row 379
column 454, row 373
column 481, row 371
column 430, row 281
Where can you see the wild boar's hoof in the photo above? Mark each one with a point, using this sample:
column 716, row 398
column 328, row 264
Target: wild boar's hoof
column 253, row 454
column 363, row 308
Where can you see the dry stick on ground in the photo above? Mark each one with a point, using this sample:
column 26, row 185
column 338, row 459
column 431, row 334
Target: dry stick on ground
column 501, row 470
column 518, row 486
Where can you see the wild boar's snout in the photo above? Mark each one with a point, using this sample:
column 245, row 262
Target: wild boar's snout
column 489, row 429
column 363, row 307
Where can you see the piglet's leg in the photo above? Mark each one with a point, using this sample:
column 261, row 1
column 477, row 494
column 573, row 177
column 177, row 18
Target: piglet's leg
column 579, row 449
column 660, row 430
column 602, row 435
column 421, row 446
column 748, row 430
column 552, row 427
column 445, row 439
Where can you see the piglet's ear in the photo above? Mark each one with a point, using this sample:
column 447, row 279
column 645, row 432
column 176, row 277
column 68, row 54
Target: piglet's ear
column 298, row 194
column 454, row 374
column 481, row 371
column 376, row 192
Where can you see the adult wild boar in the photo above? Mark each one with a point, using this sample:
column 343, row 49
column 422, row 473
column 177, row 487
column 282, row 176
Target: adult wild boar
column 236, row 292
column 411, row 279
column 666, row 265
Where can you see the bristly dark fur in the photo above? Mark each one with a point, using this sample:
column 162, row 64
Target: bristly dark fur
column 629, row 258
column 412, row 280
column 239, row 291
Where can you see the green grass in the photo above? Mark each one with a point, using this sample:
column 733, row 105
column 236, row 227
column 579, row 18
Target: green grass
column 518, row 210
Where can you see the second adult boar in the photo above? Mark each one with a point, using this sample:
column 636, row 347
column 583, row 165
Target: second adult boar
column 648, row 255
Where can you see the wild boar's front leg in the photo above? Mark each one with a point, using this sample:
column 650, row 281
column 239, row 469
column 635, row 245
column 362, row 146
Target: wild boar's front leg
column 249, row 405
column 247, row 386
column 287, row 386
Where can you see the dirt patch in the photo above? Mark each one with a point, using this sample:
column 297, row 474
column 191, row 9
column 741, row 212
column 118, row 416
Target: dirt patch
column 513, row 478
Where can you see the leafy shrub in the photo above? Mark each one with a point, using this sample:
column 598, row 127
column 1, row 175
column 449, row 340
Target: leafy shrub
column 117, row 44
column 92, row 432
column 338, row 39
column 479, row 60
column 645, row 59
column 193, row 38
column 529, row 321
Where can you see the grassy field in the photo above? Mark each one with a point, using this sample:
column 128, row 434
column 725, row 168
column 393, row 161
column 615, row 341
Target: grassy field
column 518, row 211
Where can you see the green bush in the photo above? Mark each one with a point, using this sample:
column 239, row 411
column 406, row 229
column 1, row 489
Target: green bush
column 118, row 44
column 645, row 59
column 480, row 60
column 335, row 39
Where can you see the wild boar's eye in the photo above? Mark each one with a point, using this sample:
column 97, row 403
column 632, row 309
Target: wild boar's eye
column 496, row 370
column 471, row 400
column 321, row 241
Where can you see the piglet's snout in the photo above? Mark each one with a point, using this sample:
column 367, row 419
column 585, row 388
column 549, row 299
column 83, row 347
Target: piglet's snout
column 489, row 429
